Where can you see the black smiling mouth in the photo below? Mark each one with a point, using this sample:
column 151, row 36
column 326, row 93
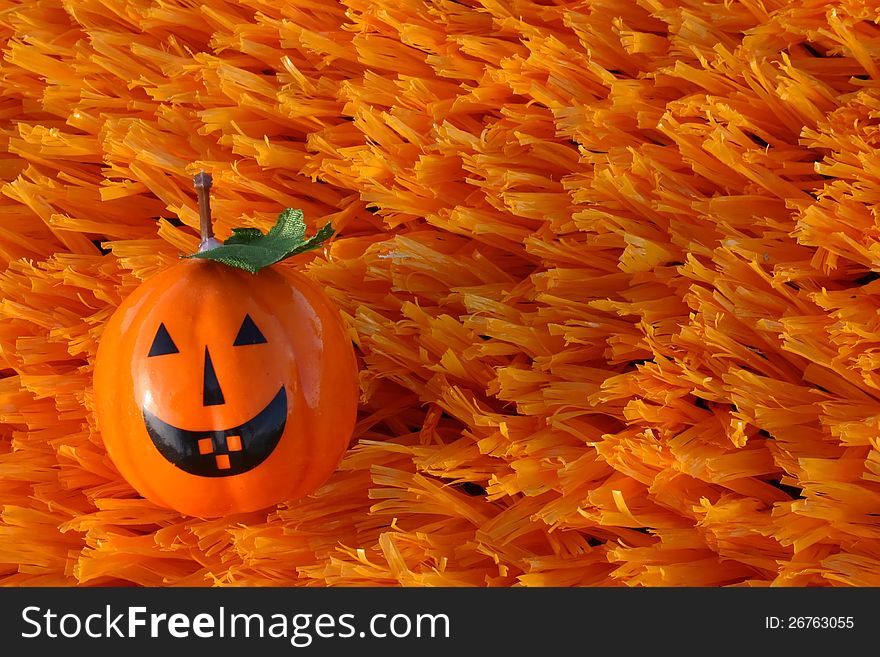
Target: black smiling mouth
column 224, row 452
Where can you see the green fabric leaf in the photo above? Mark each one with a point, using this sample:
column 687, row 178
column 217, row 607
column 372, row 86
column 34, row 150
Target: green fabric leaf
column 251, row 250
column 244, row 235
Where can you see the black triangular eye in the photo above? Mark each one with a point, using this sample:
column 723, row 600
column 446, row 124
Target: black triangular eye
column 248, row 333
column 162, row 343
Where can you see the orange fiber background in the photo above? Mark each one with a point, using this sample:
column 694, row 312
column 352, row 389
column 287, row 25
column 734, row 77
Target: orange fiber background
column 611, row 267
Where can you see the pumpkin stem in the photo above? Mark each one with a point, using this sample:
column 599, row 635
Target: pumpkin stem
column 202, row 182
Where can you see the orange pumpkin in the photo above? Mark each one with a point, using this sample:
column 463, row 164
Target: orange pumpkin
column 220, row 391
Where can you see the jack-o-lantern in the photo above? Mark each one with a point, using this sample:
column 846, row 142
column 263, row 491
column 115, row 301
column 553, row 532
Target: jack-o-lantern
column 220, row 389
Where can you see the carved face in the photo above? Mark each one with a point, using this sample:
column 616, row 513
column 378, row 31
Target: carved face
column 218, row 391
column 215, row 451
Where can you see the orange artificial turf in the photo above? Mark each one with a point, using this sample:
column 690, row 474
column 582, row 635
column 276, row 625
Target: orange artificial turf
column 611, row 268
